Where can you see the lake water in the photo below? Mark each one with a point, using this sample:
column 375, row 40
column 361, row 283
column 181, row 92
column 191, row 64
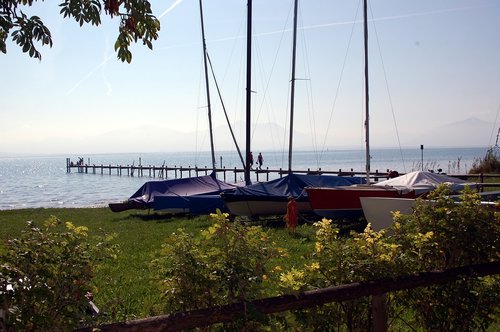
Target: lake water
column 42, row 181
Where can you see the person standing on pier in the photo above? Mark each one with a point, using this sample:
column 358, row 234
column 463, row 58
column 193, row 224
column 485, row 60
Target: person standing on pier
column 260, row 160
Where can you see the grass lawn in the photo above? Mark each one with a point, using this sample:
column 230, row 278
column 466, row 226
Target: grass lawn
column 126, row 283
column 125, row 287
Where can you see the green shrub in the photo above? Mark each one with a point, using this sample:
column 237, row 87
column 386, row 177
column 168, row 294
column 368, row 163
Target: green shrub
column 46, row 274
column 226, row 263
column 439, row 234
column 339, row 260
column 442, row 234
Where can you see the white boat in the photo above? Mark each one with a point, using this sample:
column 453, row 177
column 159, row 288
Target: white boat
column 378, row 211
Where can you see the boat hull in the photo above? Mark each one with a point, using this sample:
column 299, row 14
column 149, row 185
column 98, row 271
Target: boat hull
column 344, row 202
column 378, row 211
column 127, row 205
column 269, row 207
column 271, row 198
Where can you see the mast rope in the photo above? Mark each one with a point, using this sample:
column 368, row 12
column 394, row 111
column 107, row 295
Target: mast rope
column 493, row 129
column 225, row 112
column 387, row 88
column 323, row 148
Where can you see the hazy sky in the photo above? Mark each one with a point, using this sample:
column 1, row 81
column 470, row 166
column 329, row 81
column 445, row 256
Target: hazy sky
column 434, row 78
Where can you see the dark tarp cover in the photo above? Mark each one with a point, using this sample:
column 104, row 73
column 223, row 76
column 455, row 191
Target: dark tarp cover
column 179, row 188
column 289, row 185
column 194, row 204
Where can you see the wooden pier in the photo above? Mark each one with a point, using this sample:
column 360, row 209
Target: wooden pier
column 236, row 174
column 228, row 174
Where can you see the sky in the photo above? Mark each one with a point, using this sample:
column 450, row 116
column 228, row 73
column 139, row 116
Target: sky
column 434, row 78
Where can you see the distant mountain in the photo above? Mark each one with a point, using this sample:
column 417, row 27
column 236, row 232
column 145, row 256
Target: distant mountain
column 471, row 132
column 264, row 137
column 156, row 138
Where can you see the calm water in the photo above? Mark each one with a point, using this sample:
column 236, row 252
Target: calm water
column 27, row 182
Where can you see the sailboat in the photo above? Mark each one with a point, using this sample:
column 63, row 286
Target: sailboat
column 378, row 210
column 270, row 198
column 345, row 202
column 194, row 195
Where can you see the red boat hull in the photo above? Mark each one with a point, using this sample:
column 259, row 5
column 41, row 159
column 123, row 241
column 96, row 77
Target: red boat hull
column 343, row 202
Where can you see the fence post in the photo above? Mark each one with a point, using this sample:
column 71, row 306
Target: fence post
column 379, row 313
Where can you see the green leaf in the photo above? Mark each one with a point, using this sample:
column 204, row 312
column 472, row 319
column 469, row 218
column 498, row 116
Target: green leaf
column 117, row 44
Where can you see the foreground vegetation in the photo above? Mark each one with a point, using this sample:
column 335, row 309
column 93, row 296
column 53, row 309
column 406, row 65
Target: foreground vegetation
column 490, row 163
column 125, row 287
column 166, row 265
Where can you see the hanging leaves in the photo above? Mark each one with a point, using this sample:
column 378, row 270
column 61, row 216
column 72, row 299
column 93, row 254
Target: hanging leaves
column 137, row 22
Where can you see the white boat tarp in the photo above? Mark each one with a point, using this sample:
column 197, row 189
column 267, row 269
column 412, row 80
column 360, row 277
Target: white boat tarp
column 422, row 182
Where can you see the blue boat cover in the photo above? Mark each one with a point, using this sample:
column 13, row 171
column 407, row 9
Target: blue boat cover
column 289, row 185
column 194, row 204
column 178, row 190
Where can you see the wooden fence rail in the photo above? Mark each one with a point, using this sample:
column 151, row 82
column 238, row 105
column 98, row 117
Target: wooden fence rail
column 205, row 317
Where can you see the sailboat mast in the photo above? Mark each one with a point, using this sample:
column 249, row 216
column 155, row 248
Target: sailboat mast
column 248, row 92
column 212, row 149
column 292, row 89
column 367, row 109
